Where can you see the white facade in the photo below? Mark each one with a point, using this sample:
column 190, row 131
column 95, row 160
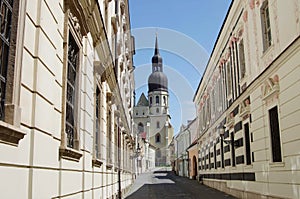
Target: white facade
column 251, row 88
column 68, row 104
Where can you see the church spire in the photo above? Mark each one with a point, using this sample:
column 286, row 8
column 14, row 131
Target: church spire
column 156, row 46
column 157, row 59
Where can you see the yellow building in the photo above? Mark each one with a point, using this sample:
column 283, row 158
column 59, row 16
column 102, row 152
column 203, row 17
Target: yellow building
column 247, row 102
column 66, row 99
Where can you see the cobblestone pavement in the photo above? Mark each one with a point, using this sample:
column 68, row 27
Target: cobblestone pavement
column 162, row 183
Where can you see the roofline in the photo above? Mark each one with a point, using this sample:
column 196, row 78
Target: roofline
column 212, row 52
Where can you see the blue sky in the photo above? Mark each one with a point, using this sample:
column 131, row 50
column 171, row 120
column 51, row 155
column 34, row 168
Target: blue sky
column 187, row 31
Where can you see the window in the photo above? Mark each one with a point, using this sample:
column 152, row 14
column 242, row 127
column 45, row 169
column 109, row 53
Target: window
column 157, row 110
column 98, row 125
column 157, row 99
column 10, row 68
column 266, row 26
column 247, row 144
column 242, row 59
column 69, row 148
column 275, row 135
column 140, row 127
column 228, row 78
column 109, row 136
column 157, row 124
column 6, row 13
column 97, row 137
column 157, row 138
column 165, row 101
column 232, row 148
column 150, row 101
column 72, row 91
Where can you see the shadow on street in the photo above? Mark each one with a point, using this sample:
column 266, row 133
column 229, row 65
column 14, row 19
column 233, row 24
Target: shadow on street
column 167, row 185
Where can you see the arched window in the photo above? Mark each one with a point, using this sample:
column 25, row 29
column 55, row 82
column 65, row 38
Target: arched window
column 157, row 99
column 150, row 101
column 140, row 127
column 157, row 138
column 157, row 124
column 165, row 101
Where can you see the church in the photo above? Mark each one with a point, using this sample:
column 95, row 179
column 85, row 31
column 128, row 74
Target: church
column 151, row 115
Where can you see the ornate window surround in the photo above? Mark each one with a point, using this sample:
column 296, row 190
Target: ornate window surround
column 72, row 26
column 98, row 153
column 10, row 132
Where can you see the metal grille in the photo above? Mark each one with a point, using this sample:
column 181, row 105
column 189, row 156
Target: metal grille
column 73, row 60
column 5, row 21
column 97, row 141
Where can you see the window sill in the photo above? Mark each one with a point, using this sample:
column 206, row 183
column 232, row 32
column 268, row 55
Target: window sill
column 109, row 166
column 10, row 134
column 96, row 162
column 276, row 164
column 70, row 154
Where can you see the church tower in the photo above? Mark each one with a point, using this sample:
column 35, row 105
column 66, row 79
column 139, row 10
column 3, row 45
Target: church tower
column 158, row 86
column 151, row 116
column 159, row 117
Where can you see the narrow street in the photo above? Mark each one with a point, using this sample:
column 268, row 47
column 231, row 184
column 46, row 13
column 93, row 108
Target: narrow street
column 162, row 183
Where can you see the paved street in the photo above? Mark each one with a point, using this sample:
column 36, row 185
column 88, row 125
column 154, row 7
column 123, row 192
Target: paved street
column 162, row 183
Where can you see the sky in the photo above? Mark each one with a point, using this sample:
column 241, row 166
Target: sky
column 187, row 31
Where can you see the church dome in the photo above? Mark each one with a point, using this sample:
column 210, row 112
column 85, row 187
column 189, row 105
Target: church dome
column 157, row 81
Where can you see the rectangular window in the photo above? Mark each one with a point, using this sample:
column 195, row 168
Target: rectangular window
column 242, row 59
column 98, row 125
column 275, row 135
column 215, row 156
column 266, row 26
column 72, row 90
column 228, row 78
column 5, row 17
column 247, row 144
column 109, row 137
column 232, row 148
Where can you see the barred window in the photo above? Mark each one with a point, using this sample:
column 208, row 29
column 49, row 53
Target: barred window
column 72, row 90
column 109, row 136
column 10, row 68
column 5, row 17
column 98, row 125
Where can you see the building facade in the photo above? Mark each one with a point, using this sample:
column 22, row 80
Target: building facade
column 66, row 99
column 247, row 102
column 182, row 142
column 151, row 115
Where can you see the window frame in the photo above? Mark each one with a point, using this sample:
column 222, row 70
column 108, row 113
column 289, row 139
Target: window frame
column 10, row 132
column 266, row 25
column 157, row 138
column 279, row 143
column 65, row 152
column 98, row 156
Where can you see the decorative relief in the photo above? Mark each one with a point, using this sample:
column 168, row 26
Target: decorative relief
column 244, row 111
column 229, row 121
column 75, row 23
column 114, row 23
column 122, row 6
column 245, row 16
column 270, row 89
